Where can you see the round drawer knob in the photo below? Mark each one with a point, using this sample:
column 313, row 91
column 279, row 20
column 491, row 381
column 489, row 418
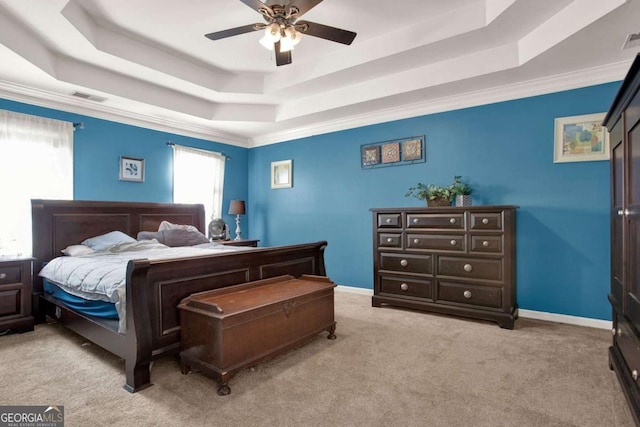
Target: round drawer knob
column 388, row 220
column 404, row 263
column 467, row 267
column 452, row 220
column 453, row 242
column 416, row 241
column 3, row 275
column 485, row 220
column 634, row 374
column 389, row 239
column 416, row 220
column 485, row 243
column 467, row 294
column 404, row 286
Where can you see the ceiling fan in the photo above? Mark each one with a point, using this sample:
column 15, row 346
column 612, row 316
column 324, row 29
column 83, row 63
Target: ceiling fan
column 282, row 28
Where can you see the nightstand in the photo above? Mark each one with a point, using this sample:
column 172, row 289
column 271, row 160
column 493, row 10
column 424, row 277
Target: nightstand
column 243, row 242
column 15, row 294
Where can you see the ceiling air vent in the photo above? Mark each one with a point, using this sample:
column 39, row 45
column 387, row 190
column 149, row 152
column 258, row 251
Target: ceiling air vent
column 633, row 40
column 89, row 97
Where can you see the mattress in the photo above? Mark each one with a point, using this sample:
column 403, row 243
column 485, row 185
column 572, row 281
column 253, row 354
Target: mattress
column 101, row 276
column 95, row 308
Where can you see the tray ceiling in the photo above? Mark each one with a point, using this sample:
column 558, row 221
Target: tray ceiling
column 147, row 62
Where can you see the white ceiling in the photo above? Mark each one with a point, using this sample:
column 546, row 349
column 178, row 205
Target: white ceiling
column 151, row 63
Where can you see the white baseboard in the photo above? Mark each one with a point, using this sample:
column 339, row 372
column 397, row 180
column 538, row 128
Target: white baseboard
column 354, row 290
column 564, row 318
column 528, row 314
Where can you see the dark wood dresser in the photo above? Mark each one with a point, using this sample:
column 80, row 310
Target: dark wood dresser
column 623, row 123
column 15, row 294
column 450, row 260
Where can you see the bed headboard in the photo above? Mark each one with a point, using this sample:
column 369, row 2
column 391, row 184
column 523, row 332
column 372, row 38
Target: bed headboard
column 57, row 224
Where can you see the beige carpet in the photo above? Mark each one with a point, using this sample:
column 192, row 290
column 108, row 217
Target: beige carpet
column 388, row 367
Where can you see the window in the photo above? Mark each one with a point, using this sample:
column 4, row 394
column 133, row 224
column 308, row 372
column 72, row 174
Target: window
column 37, row 163
column 198, row 177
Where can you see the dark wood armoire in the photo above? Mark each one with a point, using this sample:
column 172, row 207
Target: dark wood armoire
column 623, row 123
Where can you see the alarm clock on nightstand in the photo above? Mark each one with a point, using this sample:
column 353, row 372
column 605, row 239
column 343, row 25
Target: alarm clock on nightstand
column 217, row 229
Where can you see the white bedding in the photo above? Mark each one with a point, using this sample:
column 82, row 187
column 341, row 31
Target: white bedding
column 102, row 275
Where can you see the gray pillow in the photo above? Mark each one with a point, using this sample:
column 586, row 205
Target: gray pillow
column 175, row 237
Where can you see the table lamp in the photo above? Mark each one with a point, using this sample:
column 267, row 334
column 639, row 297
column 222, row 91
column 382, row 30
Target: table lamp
column 236, row 207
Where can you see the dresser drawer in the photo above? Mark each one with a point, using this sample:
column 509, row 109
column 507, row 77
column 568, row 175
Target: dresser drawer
column 15, row 294
column 628, row 344
column 488, row 269
column 390, row 220
column 406, row 287
column 486, row 296
column 445, row 242
column 486, row 244
column 450, row 221
column 10, row 274
column 9, row 302
column 422, row 264
column 486, row 221
column 389, row 240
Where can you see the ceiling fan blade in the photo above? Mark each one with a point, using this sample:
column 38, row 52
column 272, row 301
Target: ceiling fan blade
column 325, row 32
column 255, row 4
column 282, row 58
column 303, row 6
column 231, row 32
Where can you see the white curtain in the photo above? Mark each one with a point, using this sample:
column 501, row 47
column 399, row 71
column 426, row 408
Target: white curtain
column 198, row 177
column 37, row 163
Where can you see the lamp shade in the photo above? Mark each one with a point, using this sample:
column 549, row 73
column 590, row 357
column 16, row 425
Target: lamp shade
column 236, row 207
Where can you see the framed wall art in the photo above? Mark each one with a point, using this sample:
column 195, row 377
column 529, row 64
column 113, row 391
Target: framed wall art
column 131, row 169
column 395, row 152
column 281, row 174
column 580, row 139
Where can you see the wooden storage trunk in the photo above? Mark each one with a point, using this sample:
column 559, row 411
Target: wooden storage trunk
column 229, row 329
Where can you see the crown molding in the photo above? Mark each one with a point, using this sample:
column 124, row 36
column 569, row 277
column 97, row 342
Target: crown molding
column 557, row 83
column 567, row 81
column 43, row 98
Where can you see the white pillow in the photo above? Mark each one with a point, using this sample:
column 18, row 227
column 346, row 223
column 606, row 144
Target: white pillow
column 166, row 225
column 77, row 250
column 105, row 241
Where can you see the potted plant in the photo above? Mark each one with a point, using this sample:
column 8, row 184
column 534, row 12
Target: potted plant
column 434, row 195
column 462, row 191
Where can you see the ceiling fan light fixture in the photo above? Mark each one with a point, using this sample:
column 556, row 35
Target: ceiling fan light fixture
column 290, row 39
column 292, row 34
column 266, row 42
column 282, row 28
column 271, row 35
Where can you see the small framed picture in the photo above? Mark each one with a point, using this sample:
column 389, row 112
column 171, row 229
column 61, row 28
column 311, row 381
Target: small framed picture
column 281, row 174
column 131, row 169
column 580, row 139
column 371, row 155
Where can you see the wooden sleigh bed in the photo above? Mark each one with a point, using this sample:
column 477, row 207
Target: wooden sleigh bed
column 153, row 288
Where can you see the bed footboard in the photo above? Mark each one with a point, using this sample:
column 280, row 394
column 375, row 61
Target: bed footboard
column 155, row 288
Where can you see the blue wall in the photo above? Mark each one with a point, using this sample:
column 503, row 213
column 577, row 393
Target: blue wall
column 505, row 150
column 98, row 147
